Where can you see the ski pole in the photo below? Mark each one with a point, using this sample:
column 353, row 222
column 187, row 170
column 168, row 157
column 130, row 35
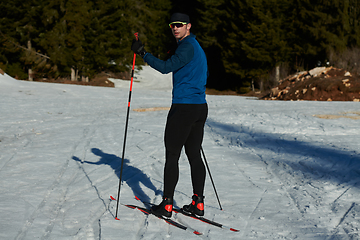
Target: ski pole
column 125, row 134
column 212, row 181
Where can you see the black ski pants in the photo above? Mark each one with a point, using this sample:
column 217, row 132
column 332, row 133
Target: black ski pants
column 184, row 127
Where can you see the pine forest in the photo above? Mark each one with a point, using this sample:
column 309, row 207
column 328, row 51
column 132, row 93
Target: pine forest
column 246, row 41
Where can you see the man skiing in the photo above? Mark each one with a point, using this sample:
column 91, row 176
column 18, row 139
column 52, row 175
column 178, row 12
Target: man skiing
column 187, row 115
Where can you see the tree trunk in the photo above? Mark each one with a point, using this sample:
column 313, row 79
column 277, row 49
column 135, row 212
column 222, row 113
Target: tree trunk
column 30, row 72
column 76, row 74
column 277, row 74
column 73, row 77
column 84, row 79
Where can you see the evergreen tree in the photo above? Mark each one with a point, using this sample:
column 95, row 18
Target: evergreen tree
column 320, row 26
column 248, row 38
column 210, row 30
column 354, row 22
column 112, row 30
column 64, row 40
column 96, row 36
column 263, row 38
column 157, row 31
column 20, row 25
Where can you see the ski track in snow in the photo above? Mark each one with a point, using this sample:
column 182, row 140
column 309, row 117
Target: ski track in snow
column 311, row 195
column 280, row 172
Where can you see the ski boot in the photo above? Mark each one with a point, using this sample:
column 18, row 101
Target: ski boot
column 196, row 206
column 164, row 208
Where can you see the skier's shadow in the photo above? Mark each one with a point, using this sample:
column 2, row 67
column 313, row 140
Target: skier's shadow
column 131, row 175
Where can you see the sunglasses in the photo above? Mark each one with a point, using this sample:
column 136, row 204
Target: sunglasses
column 177, row 24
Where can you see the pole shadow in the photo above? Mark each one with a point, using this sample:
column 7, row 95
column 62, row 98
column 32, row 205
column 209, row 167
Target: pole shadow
column 131, row 175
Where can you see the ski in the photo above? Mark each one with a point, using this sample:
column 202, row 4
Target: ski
column 202, row 219
column 167, row 220
column 205, row 220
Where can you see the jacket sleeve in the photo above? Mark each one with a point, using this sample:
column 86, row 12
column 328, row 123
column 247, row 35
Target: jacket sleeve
column 183, row 55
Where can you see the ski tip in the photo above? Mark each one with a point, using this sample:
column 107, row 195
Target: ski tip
column 197, row 233
column 117, row 218
column 112, row 198
column 234, row 230
column 137, row 198
column 130, row 206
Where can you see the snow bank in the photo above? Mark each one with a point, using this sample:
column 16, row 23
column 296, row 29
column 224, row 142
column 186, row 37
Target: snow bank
column 7, row 80
column 148, row 79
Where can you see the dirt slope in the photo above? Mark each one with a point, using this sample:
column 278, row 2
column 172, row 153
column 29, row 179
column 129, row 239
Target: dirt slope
column 318, row 84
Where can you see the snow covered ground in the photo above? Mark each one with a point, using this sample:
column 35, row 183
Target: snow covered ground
column 280, row 171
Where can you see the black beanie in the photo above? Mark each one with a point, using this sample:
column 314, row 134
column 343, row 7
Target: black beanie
column 179, row 17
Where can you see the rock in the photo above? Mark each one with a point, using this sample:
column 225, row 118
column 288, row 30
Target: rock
column 317, row 71
column 274, row 92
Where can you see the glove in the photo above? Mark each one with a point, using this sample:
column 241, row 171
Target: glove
column 138, row 48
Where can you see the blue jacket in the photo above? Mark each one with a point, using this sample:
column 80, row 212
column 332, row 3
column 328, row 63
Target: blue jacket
column 189, row 68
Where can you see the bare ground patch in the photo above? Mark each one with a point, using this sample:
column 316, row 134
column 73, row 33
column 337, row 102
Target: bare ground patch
column 151, row 109
column 350, row 115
